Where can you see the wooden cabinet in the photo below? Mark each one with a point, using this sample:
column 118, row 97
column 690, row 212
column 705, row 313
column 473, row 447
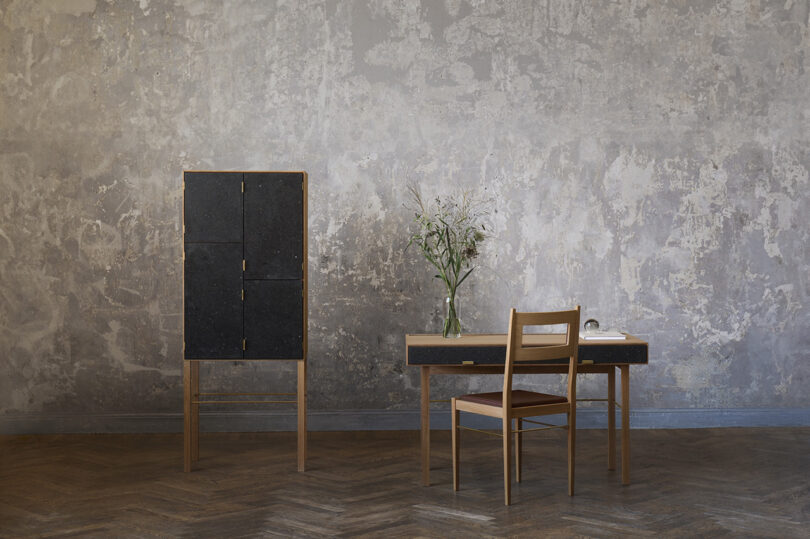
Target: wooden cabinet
column 245, row 265
column 244, row 284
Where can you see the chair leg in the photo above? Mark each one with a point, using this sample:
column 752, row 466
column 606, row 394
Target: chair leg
column 518, row 447
column 572, row 433
column 454, row 429
column 507, row 460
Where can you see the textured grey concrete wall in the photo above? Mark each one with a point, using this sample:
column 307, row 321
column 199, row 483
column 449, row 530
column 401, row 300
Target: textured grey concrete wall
column 649, row 160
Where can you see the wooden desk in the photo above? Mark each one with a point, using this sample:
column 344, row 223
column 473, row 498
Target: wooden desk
column 486, row 354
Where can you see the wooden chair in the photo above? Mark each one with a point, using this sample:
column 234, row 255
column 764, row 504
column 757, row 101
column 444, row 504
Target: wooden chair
column 518, row 404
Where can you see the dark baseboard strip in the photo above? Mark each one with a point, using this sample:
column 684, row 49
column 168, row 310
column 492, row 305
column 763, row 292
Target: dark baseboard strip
column 348, row 420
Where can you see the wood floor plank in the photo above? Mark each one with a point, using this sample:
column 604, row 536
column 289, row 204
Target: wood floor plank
column 708, row 482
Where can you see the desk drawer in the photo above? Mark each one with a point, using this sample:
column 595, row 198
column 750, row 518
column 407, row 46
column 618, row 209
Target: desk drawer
column 496, row 355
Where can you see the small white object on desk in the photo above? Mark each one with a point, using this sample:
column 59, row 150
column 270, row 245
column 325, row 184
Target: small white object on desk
column 598, row 335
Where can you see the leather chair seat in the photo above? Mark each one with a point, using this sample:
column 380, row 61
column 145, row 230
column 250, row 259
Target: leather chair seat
column 520, row 398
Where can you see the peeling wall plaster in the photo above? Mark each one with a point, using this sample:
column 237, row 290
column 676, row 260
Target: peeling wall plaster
column 649, row 161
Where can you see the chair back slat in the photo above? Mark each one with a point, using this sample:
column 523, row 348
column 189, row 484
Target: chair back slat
column 540, row 353
column 546, row 319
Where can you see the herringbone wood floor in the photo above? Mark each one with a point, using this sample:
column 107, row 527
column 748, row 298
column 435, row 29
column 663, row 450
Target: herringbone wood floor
column 686, row 483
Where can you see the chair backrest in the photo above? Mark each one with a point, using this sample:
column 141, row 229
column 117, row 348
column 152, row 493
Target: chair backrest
column 518, row 351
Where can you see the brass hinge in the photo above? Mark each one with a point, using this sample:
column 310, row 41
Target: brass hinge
column 243, row 187
column 244, row 344
column 243, row 264
column 243, row 294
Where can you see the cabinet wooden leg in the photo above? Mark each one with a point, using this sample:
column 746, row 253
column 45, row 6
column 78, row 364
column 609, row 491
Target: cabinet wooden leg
column 302, row 415
column 195, row 411
column 186, row 416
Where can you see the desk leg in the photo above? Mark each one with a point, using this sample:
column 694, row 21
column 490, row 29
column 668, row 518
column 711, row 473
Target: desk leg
column 425, row 435
column 302, row 415
column 611, row 396
column 186, row 416
column 518, row 447
column 625, row 369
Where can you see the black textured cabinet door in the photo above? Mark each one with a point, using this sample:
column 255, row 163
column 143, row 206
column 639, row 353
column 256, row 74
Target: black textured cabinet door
column 274, row 243
column 274, row 319
column 213, row 301
column 213, row 207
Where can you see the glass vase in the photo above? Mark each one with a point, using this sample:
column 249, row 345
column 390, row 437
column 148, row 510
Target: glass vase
column 452, row 321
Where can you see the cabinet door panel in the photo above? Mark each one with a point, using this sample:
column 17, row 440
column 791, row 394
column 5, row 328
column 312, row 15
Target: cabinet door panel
column 213, row 207
column 274, row 241
column 274, row 319
column 213, row 301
